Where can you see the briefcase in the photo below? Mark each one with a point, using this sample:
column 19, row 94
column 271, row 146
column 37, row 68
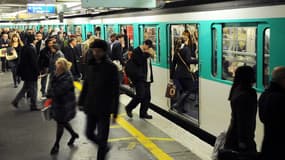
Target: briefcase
column 170, row 90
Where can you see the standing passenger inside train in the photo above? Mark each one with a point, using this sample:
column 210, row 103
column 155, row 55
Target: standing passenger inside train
column 71, row 54
column 63, row 102
column 100, row 96
column 271, row 113
column 41, row 43
column 17, row 45
column 140, row 73
column 243, row 100
column 180, row 70
column 29, row 72
column 4, row 43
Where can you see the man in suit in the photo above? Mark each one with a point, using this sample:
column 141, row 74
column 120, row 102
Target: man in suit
column 4, row 43
column 100, row 96
column 29, row 72
column 72, row 55
column 144, row 77
column 271, row 113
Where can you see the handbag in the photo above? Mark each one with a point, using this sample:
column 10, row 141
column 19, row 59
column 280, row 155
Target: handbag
column 170, row 90
column 11, row 54
column 3, row 52
column 188, row 67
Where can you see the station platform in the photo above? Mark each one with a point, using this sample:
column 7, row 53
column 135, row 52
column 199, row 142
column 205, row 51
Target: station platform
column 24, row 135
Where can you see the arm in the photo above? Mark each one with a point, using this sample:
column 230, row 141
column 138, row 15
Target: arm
column 173, row 66
column 186, row 52
column 83, row 94
column 63, row 88
column 139, row 58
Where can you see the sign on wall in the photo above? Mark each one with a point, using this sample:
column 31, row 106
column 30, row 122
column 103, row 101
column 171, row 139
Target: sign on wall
column 119, row 3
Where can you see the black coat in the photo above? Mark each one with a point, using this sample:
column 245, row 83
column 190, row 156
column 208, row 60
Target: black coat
column 2, row 42
column 43, row 61
column 243, row 120
column 63, row 97
column 178, row 69
column 28, row 68
column 73, row 55
column 100, row 93
column 272, row 115
column 117, row 52
column 139, row 58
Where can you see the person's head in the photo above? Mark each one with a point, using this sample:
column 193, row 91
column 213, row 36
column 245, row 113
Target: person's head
column 5, row 36
column 79, row 39
column 15, row 38
column 147, row 44
column 42, row 29
column 113, row 37
column 99, row 48
column 62, row 65
column 89, row 34
column 244, row 76
column 49, row 43
column 60, row 35
column 72, row 42
column 54, row 48
column 278, row 76
column 186, row 36
column 39, row 36
column 130, row 52
column 31, row 39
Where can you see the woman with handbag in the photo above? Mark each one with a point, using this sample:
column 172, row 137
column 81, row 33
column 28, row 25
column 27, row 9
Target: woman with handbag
column 180, row 69
column 63, row 102
column 13, row 55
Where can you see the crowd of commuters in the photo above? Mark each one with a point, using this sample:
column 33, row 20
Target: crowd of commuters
column 57, row 60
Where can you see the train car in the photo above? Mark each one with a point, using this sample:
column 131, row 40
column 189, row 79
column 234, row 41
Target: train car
column 224, row 40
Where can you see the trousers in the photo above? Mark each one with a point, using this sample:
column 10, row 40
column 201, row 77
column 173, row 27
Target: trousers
column 28, row 87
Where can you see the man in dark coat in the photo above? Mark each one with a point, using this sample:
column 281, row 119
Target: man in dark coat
column 142, row 79
column 29, row 72
column 72, row 55
column 116, row 47
column 100, row 96
column 271, row 113
column 4, row 43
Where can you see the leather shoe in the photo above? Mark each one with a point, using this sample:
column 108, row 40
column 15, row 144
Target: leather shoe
column 15, row 104
column 147, row 116
column 35, row 109
column 129, row 113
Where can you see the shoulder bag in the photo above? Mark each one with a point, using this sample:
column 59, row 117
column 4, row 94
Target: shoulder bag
column 188, row 67
column 11, row 54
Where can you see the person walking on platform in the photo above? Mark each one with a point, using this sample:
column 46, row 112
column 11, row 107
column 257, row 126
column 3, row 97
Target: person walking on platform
column 116, row 46
column 4, row 43
column 141, row 76
column 28, row 70
column 243, row 99
column 71, row 54
column 271, row 113
column 63, row 102
column 16, row 46
column 100, row 96
column 43, row 62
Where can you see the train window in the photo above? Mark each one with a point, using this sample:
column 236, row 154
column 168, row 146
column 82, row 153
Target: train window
column 151, row 33
column 109, row 31
column 239, row 49
column 128, row 32
column 266, row 54
column 214, row 53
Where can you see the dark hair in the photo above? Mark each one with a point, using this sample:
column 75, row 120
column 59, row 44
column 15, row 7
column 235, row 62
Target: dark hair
column 244, row 77
column 47, row 41
column 98, row 28
column 71, row 39
column 148, row 43
column 30, row 38
column 113, row 35
column 56, row 47
column 98, row 43
column 39, row 33
column 120, row 36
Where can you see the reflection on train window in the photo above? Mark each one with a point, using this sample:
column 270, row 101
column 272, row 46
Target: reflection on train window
column 214, row 53
column 128, row 32
column 109, row 31
column 239, row 49
column 266, row 57
column 97, row 31
column 150, row 32
column 186, row 101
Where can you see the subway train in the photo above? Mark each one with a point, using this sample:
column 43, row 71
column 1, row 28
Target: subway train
column 225, row 38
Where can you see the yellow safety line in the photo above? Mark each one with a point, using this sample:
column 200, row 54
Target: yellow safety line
column 120, row 139
column 160, row 139
column 146, row 142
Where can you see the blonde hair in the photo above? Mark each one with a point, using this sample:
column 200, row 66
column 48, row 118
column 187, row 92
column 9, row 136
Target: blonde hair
column 66, row 65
